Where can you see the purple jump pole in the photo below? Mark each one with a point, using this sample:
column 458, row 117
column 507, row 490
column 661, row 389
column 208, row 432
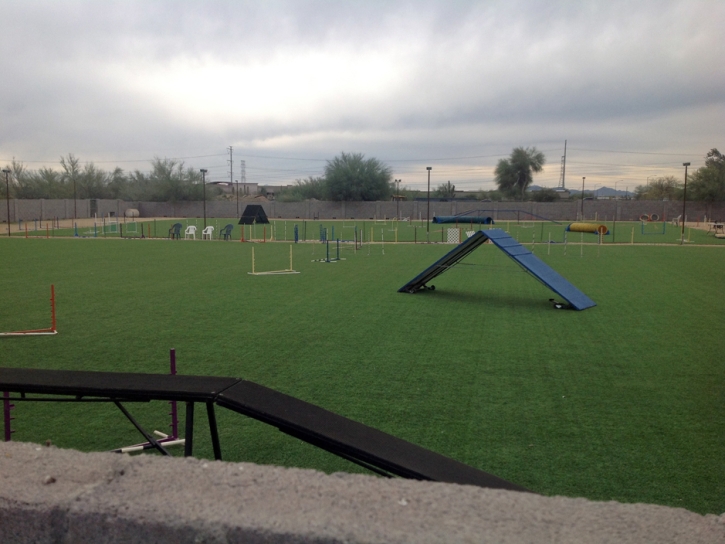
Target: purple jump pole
column 174, row 414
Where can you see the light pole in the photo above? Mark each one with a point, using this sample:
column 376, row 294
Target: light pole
column 616, row 209
column 397, row 198
column 75, row 206
column 237, row 196
column 427, row 217
column 684, row 203
column 203, row 184
column 583, row 178
column 6, row 171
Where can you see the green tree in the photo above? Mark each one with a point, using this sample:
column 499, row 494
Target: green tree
column 515, row 174
column 545, row 195
column 445, row 190
column 304, row 189
column 662, row 188
column 708, row 182
column 350, row 176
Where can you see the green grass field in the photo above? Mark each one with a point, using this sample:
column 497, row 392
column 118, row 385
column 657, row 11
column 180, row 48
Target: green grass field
column 624, row 401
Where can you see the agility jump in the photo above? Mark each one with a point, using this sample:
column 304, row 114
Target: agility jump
column 40, row 332
column 289, row 270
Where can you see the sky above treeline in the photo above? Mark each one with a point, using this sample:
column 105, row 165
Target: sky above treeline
column 635, row 88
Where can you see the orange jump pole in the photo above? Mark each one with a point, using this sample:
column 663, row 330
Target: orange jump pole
column 40, row 332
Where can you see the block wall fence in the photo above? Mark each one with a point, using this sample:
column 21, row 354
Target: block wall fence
column 603, row 210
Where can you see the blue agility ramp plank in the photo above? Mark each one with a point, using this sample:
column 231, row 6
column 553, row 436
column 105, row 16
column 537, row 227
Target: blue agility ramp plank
column 449, row 260
column 524, row 257
column 540, row 270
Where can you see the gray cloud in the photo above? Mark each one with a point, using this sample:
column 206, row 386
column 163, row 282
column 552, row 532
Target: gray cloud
column 414, row 80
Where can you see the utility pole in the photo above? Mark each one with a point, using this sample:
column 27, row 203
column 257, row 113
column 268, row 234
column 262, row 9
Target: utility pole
column 231, row 168
column 397, row 198
column 6, row 171
column 684, row 204
column 203, row 184
column 243, row 179
column 427, row 217
column 583, row 178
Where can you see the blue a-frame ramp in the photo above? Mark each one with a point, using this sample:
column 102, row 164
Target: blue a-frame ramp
column 528, row 261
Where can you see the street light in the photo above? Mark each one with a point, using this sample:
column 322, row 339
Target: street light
column 684, row 203
column 203, row 183
column 427, row 217
column 397, row 198
column 583, row 178
column 6, row 171
column 616, row 209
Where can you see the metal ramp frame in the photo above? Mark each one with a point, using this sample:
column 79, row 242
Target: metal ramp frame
column 522, row 256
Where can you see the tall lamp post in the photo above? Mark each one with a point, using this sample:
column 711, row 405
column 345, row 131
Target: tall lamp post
column 203, row 184
column 616, row 206
column 397, row 198
column 684, row 203
column 583, row 178
column 237, row 196
column 6, row 171
column 427, row 217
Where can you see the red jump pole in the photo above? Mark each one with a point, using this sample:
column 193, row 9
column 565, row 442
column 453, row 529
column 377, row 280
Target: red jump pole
column 52, row 306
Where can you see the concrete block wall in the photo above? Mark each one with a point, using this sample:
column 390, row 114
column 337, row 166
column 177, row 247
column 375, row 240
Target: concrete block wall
column 603, row 210
column 52, row 495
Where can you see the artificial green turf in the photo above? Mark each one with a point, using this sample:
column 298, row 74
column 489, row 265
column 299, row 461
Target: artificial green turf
column 622, row 401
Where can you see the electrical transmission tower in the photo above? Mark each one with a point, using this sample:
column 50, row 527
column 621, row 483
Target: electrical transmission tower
column 562, row 174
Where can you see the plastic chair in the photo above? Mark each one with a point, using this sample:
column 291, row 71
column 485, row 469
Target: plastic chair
column 190, row 231
column 207, row 233
column 175, row 231
column 226, row 232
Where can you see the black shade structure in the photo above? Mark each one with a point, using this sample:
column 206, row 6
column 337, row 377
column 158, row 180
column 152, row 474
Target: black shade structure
column 373, row 449
column 253, row 213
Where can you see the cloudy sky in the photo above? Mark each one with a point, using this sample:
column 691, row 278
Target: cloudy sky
column 636, row 88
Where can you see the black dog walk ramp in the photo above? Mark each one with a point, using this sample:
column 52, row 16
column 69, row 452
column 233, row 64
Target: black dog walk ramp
column 352, row 440
column 366, row 446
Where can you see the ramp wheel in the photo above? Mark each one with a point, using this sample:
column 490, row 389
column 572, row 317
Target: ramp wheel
column 432, row 288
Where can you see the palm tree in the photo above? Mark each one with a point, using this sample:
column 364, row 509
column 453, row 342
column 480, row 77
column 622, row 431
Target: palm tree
column 515, row 174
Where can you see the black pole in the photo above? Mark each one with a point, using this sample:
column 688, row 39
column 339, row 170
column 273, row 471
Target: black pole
column 427, row 226
column 75, row 207
column 203, row 183
column 214, row 431
column 583, row 178
column 189, row 433
column 684, row 204
column 6, row 171
column 237, row 198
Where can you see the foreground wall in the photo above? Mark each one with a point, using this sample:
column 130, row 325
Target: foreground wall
column 603, row 210
column 51, row 495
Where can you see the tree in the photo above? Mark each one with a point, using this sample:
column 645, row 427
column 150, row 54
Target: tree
column 545, row 195
column 445, row 190
column 708, row 182
column 515, row 174
column 304, row 189
column 352, row 177
column 663, row 188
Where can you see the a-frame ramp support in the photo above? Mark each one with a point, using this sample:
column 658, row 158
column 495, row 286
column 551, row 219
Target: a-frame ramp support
column 525, row 258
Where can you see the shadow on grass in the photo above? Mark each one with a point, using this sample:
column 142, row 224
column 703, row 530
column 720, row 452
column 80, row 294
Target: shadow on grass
column 492, row 300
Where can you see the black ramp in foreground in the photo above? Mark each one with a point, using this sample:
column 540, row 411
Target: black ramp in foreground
column 371, row 448
column 352, row 440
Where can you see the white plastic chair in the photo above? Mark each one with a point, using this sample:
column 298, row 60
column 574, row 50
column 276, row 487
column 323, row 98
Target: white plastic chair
column 190, row 232
column 207, row 232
